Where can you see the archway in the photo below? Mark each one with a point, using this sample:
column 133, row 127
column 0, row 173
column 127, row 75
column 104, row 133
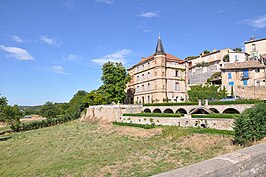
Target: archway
column 198, row 111
column 147, row 110
column 168, row 110
column 157, row 110
column 231, row 111
column 214, row 110
column 182, row 111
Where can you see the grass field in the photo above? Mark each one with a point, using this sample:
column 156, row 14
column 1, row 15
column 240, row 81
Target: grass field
column 89, row 149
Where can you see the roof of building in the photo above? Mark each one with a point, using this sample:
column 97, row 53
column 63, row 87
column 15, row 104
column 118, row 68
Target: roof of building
column 244, row 65
column 159, row 47
column 255, row 40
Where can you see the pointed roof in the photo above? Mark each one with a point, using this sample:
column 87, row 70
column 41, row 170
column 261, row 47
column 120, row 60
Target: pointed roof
column 159, row 48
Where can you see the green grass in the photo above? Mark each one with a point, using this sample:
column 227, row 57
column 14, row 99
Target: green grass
column 218, row 115
column 85, row 149
column 145, row 126
column 4, row 128
column 155, row 115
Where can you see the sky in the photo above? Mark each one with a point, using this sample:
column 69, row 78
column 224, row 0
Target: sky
column 50, row 49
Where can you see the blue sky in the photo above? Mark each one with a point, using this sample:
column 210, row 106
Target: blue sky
column 50, row 49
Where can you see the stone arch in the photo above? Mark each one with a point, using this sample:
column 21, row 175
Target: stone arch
column 168, row 110
column 182, row 111
column 157, row 110
column 231, row 111
column 198, row 111
column 147, row 110
column 214, row 110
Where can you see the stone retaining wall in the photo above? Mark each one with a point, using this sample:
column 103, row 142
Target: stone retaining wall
column 220, row 124
column 248, row 162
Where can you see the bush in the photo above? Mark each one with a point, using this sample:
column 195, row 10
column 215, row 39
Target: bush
column 171, row 104
column 145, row 126
column 251, row 125
column 155, row 115
column 224, row 116
column 234, row 102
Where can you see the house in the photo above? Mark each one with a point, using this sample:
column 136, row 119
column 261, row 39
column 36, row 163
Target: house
column 158, row 78
column 245, row 79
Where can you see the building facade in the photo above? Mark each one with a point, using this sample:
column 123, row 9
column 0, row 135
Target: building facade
column 158, row 78
column 245, row 79
column 256, row 48
column 202, row 67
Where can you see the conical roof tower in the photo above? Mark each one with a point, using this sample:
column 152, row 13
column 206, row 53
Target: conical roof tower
column 159, row 48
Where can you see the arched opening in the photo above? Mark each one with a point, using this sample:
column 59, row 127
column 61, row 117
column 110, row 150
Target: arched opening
column 147, row 110
column 198, row 111
column 182, row 111
column 168, row 110
column 214, row 110
column 157, row 110
column 231, row 111
column 203, row 125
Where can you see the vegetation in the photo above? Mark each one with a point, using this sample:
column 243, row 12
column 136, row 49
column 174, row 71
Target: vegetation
column 114, row 80
column 49, row 110
column 200, row 92
column 171, row 104
column 206, row 52
column 244, row 101
column 226, row 116
column 202, row 64
column 155, row 115
column 11, row 115
column 82, row 149
column 190, row 58
column 226, row 58
column 251, row 125
column 216, row 75
column 145, row 126
column 237, row 49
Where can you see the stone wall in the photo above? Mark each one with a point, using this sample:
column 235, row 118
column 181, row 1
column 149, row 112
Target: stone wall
column 251, row 92
column 220, row 124
column 109, row 113
column 248, row 162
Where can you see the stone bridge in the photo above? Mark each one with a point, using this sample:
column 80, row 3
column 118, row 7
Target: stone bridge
column 196, row 109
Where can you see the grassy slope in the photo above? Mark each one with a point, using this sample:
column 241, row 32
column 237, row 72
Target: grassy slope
column 84, row 149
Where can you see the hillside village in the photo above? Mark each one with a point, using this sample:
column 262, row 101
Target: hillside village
column 163, row 77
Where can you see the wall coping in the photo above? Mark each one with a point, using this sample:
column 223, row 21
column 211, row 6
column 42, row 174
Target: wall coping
column 247, row 162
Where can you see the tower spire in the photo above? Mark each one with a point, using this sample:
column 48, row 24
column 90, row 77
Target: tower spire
column 159, row 48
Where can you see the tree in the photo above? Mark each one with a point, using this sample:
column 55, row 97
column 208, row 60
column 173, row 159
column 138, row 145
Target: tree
column 94, row 97
column 251, row 125
column 76, row 104
column 206, row 52
column 12, row 115
column 3, row 103
column 237, row 49
column 199, row 92
column 114, row 80
column 49, row 110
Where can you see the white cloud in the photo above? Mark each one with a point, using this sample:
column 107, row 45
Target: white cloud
column 74, row 57
column 50, row 41
column 59, row 69
column 149, row 14
column 18, row 53
column 109, row 2
column 259, row 22
column 146, row 31
column 220, row 11
column 17, row 39
column 118, row 56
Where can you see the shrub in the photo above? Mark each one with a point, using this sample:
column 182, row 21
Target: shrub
column 155, row 115
column 225, row 116
column 251, row 125
column 145, row 126
column 171, row 104
column 234, row 102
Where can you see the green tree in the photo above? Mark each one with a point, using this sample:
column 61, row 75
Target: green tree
column 76, row 104
column 12, row 115
column 49, row 110
column 3, row 103
column 94, row 97
column 206, row 52
column 199, row 92
column 251, row 125
column 237, row 49
column 115, row 78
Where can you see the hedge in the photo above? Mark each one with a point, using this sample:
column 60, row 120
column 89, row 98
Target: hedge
column 171, row 104
column 48, row 122
column 222, row 116
column 154, row 115
column 145, row 126
column 234, row 102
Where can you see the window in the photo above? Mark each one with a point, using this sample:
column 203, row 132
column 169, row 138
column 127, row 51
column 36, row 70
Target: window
column 142, row 88
column 236, row 58
column 137, row 78
column 176, row 73
column 231, row 83
column 148, row 86
column 229, row 75
column 137, row 89
column 148, row 99
column 257, row 70
column 253, row 47
column 149, row 74
column 142, row 76
column 148, row 64
column 176, row 86
column 245, row 73
column 245, row 82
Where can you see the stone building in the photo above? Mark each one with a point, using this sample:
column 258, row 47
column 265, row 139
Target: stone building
column 245, row 79
column 158, row 78
column 202, row 67
column 256, row 48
